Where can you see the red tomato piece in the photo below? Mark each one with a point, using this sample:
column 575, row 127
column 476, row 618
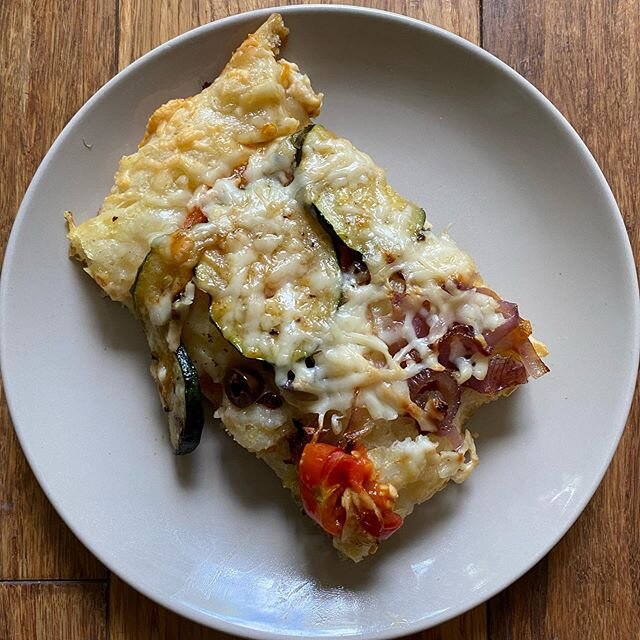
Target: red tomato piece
column 326, row 472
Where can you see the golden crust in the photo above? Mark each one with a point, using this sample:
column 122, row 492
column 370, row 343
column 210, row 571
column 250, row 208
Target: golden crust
column 188, row 143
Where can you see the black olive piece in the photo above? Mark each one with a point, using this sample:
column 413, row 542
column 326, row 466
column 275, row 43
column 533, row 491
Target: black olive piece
column 291, row 376
column 362, row 276
column 359, row 266
column 270, row 400
column 352, row 262
column 310, row 362
column 242, row 387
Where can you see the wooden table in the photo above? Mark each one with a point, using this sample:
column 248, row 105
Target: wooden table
column 583, row 54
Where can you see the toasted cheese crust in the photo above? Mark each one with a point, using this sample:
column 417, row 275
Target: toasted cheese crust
column 189, row 143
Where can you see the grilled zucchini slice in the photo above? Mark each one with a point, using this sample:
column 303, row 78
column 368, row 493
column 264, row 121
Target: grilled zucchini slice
column 162, row 293
column 352, row 195
column 272, row 274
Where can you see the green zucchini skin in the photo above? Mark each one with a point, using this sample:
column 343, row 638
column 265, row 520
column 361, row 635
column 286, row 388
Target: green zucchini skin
column 175, row 375
column 187, row 425
column 298, row 138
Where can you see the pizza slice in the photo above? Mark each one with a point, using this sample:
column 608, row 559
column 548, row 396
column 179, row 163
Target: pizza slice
column 188, row 145
column 335, row 335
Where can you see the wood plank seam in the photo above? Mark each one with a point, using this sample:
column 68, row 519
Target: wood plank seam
column 116, row 31
column 54, row 581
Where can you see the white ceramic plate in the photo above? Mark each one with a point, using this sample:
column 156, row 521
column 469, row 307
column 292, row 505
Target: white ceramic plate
column 213, row 536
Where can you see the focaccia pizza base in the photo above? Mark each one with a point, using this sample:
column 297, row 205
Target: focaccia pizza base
column 278, row 275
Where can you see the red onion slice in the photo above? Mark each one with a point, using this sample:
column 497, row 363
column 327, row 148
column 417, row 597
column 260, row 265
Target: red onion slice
column 503, row 372
column 485, row 291
column 463, row 334
column 420, row 325
column 510, row 312
column 441, row 386
column 508, row 309
column 513, row 334
column 451, row 432
column 531, row 360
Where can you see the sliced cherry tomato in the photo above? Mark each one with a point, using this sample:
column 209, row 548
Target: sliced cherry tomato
column 326, row 472
column 381, row 521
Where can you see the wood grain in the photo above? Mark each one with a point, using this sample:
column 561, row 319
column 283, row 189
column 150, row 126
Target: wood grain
column 470, row 626
column 134, row 617
column 145, row 24
column 583, row 54
column 585, row 58
column 53, row 611
column 53, row 55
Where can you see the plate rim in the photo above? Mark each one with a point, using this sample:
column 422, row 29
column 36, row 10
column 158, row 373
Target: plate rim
column 210, row 619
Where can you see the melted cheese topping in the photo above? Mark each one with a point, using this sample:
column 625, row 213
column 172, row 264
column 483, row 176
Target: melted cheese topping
column 256, row 428
column 355, row 368
column 188, row 143
column 272, row 274
column 354, row 364
column 419, row 467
